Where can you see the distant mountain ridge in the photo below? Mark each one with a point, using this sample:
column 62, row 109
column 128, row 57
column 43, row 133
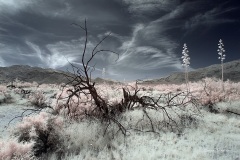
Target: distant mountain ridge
column 30, row 74
column 231, row 72
column 49, row 76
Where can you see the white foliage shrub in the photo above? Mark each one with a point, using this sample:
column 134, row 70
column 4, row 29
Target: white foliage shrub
column 13, row 150
column 38, row 99
column 6, row 97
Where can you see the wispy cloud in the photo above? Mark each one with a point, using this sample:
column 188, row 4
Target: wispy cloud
column 209, row 18
column 58, row 56
column 13, row 6
column 138, row 53
column 128, row 44
column 36, row 51
column 150, row 6
column 2, row 62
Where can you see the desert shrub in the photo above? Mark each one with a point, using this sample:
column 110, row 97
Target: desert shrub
column 209, row 92
column 38, row 99
column 111, row 94
column 17, row 91
column 76, row 107
column 44, row 131
column 3, row 88
column 48, row 141
column 25, row 128
column 6, row 97
column 13, row 150
column 74, row 111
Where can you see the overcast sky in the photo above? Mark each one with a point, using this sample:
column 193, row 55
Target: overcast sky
column 147, row 34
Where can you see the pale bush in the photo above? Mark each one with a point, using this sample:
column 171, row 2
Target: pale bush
column 13, row 150
column 43, row 130
column 3, row 88
column 76, row 107
column 18, row 91
column 6, row 97
column 38, row 99
column 63, row 94
column 112, row 94
column 24, row 128
column 73, row 110
column 211, row 93
column 208, row 91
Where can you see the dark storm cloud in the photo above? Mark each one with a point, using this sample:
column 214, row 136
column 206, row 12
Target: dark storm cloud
column 147, row 34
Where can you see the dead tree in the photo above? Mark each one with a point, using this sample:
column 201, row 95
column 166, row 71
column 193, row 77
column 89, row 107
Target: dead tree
column 82, row 85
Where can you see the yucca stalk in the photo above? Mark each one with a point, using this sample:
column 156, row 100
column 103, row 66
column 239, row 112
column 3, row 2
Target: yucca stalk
column 222, row 56
column 186, row 63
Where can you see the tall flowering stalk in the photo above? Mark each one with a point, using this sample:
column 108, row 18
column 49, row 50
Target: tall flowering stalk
column 222, row 56
column 186, row 62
